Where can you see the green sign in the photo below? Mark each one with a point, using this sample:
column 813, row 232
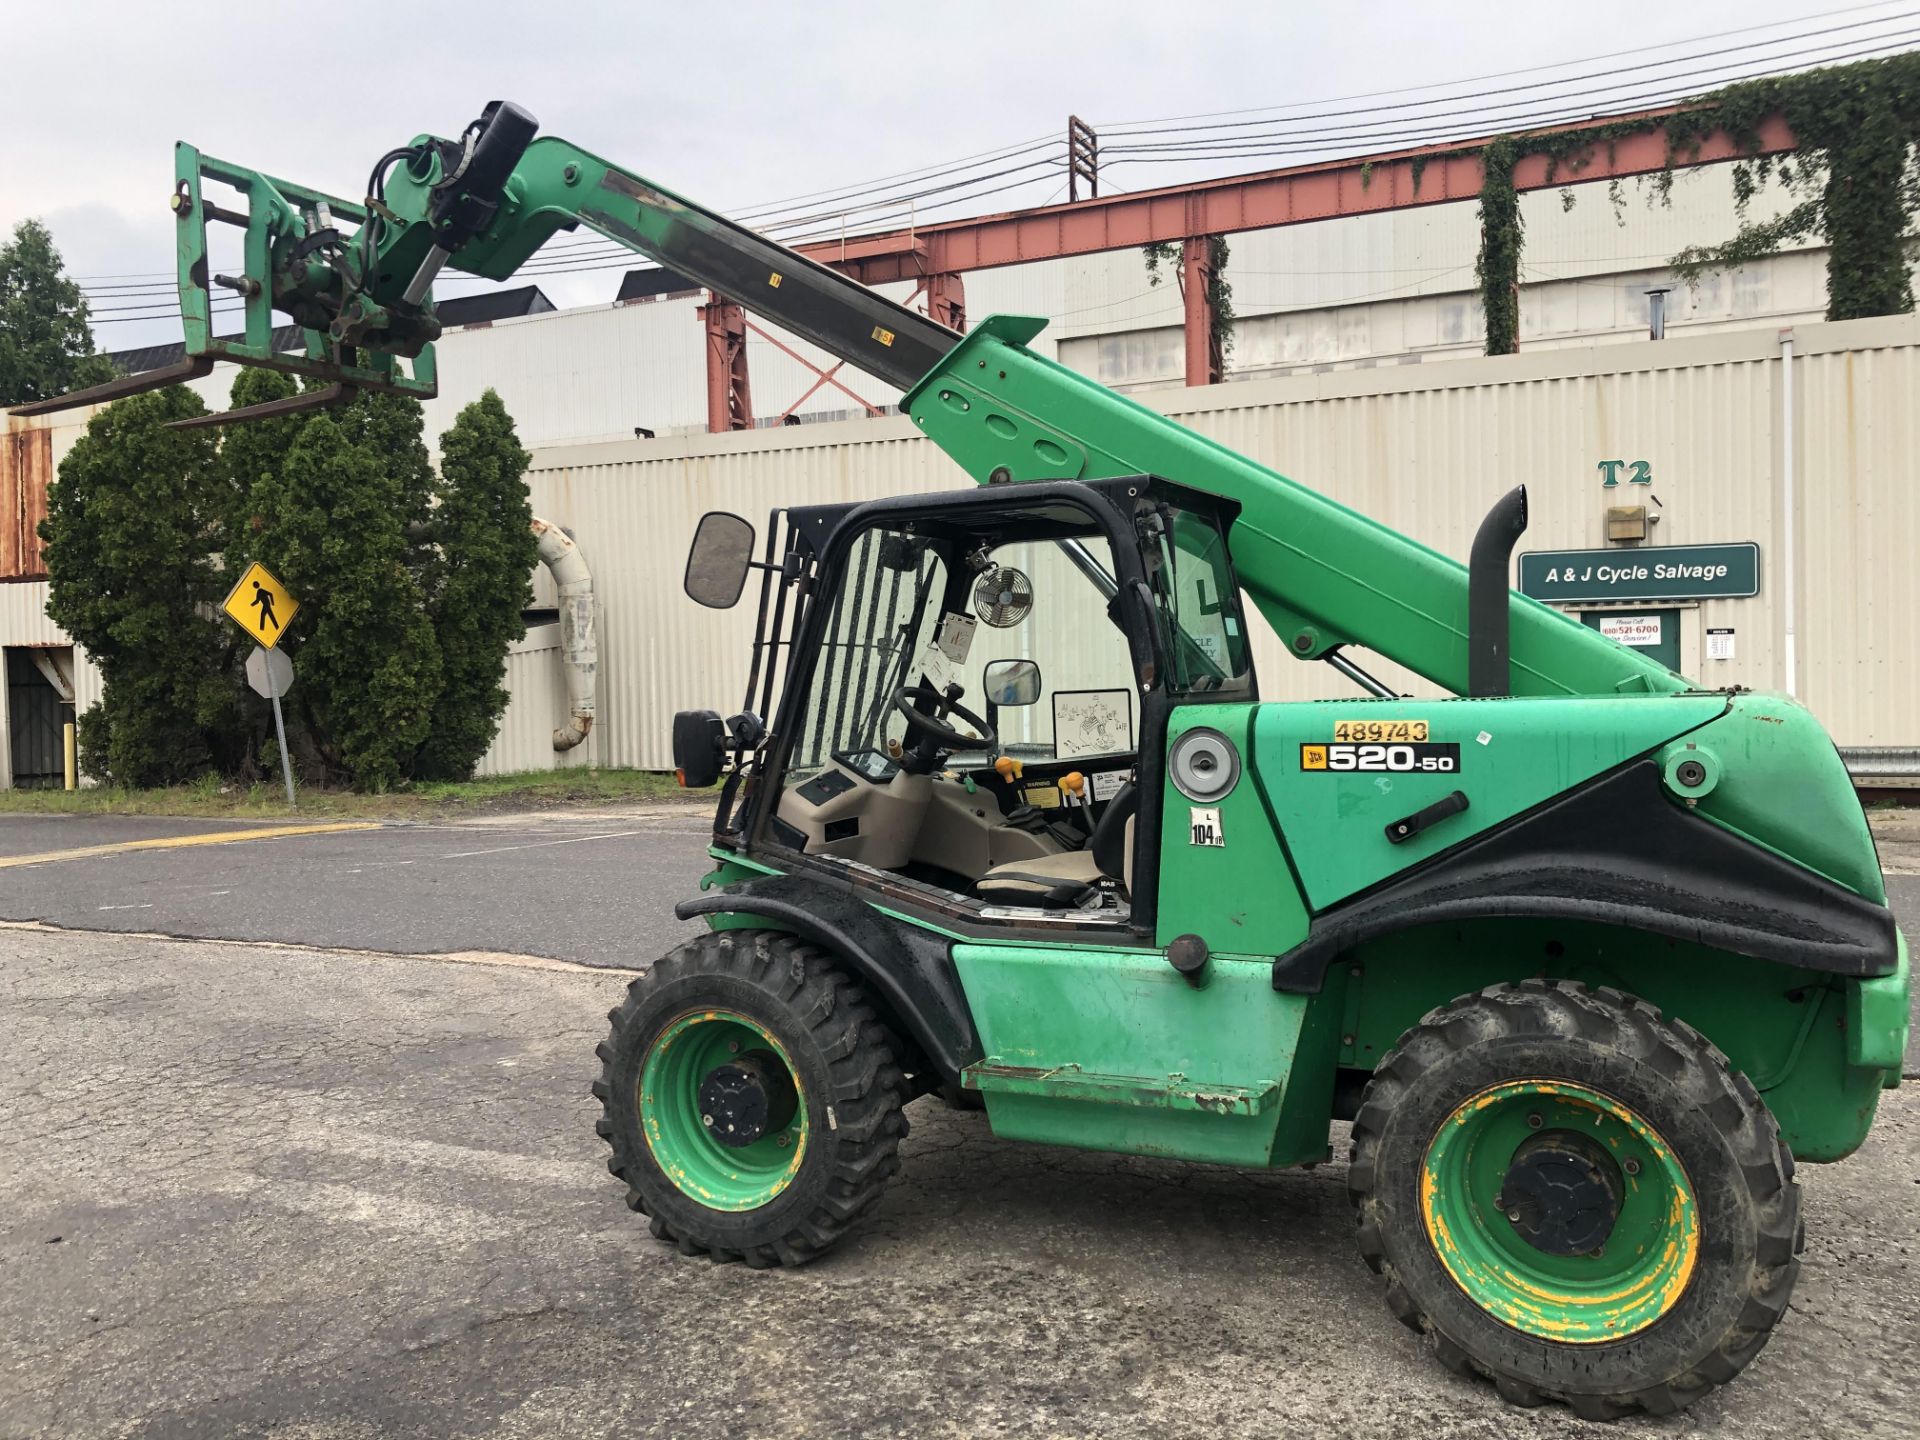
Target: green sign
column 1659, row 572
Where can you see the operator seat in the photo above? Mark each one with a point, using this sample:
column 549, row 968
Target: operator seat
column 1061, row 879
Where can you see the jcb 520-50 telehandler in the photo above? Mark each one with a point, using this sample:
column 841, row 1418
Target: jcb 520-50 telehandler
column 1588, row 954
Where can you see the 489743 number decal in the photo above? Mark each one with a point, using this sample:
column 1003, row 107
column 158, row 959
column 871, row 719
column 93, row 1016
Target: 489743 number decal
column 1338, row 758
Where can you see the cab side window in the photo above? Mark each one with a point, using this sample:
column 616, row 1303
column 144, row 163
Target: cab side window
column 1036, row 604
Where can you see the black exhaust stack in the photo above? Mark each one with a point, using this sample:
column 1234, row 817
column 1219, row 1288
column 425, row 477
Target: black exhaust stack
column 1489, row 619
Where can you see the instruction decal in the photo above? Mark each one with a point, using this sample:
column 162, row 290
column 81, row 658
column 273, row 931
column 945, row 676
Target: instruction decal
column 1368, row 759
column 1092, row 722
column 1105, row 784
column 956, row 636
column 1403, row 730
column 1205, row 820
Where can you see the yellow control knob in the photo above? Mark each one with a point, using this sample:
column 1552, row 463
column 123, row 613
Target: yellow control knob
column 1008, row 767
column 1074, row 783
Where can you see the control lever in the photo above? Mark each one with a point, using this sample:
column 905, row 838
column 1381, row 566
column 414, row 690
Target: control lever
column 1073, row 795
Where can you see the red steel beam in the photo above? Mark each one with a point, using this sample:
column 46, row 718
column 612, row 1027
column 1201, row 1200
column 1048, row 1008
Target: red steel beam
column 1359, row 185
column 1206, row 365
column 729, row 393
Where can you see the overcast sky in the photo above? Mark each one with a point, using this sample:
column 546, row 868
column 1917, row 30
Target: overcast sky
column 735, row 104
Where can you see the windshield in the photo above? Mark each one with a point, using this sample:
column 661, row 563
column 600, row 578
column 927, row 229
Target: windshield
column 886, row 608
column 1198, row 600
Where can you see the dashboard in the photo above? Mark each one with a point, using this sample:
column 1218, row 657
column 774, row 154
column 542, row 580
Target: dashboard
column 876, row 767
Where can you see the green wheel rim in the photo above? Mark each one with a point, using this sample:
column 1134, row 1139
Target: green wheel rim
column 700, row 1167
column 1638, row 1274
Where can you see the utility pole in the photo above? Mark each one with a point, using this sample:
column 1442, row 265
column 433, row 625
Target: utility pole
column 1083, row 158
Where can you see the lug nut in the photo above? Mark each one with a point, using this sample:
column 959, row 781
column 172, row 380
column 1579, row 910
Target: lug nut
column 1534, row 1122
column 1632, row 1167
column 707, row 1120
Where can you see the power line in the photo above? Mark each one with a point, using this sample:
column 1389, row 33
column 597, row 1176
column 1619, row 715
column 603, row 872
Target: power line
column 1189, row 152
column 587, row 254
column 566, row 257
column 1523, row 70
column 1608, row 99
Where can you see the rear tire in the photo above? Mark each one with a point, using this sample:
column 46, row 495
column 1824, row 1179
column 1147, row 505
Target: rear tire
column 790, row 1194
column 1489, row 1151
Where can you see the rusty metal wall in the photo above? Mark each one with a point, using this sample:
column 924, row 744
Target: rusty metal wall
column 26, row 466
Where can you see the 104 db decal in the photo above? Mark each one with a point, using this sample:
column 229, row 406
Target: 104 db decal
column 1341, row 758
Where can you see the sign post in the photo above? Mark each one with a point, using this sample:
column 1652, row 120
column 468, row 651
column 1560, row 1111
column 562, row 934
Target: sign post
column 263, row 607
column 270, row 673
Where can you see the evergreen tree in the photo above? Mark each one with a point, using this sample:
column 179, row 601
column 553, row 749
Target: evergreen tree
column 46, row 348
column 131, row 547
column 251, row 454
column 334, row 528
column 411, row 586
column 480, row 582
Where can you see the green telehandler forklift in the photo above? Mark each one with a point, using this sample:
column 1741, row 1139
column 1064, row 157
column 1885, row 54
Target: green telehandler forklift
column 1587, row 954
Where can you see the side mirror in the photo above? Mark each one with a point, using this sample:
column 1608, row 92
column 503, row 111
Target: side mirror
column 718, row 560
column 1011, row 682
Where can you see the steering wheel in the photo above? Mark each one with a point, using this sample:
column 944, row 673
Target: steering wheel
column 933, row 727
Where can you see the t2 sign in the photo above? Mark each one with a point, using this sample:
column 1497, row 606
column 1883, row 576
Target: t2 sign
column 1639, row 472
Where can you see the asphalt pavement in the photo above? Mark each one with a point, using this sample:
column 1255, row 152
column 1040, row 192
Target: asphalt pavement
column 596, row 886
column 346, row 1184
column 252, row 1191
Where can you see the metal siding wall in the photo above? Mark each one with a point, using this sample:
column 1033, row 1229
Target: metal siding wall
column 537, row 683
column 23, row 621
column 1425, row 449
column 1859, row 508
column 632, row 508
column 1429, row 458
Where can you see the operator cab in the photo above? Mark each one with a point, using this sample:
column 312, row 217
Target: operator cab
column 972, row 680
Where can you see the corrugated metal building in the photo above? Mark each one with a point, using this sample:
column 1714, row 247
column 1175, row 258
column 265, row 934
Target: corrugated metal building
column 1424, row 448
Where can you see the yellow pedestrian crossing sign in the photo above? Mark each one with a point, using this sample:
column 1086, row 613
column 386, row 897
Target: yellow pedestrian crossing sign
column 261, row 605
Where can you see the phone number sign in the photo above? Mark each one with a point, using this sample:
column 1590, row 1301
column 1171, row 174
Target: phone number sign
column 1663, row 572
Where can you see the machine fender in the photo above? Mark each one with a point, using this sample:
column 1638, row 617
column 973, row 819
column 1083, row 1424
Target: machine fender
column 1618, row 851
column 909, row 972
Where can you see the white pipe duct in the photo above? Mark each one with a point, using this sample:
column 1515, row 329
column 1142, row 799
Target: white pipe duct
column 579, row 652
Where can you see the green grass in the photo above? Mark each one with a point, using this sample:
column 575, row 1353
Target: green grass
column 538, row 790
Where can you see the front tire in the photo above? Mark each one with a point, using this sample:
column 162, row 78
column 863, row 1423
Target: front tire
column 752, row 1100
column 1578, row 1200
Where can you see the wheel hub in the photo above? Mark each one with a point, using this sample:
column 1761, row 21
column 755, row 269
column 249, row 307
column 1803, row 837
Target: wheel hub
column 1562, row 1193
column 746, row 1098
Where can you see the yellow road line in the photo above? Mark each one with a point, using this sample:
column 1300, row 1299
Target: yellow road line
column 171, row 842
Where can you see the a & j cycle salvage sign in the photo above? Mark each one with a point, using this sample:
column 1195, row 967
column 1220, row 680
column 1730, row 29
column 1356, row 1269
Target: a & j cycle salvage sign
column 1663, row 572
